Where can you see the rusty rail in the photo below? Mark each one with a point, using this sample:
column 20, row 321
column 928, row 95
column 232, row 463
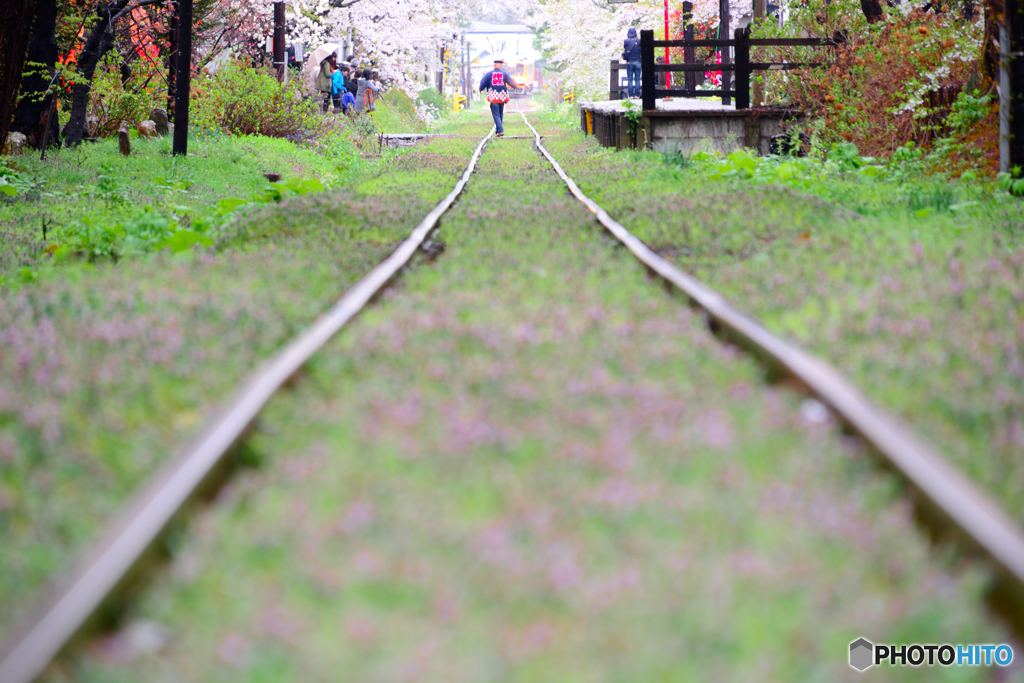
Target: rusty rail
column 945, row 498
column 68, row 606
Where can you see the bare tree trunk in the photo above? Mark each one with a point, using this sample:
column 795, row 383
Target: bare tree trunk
column 872, row 10
column 32, row 115
column 994, row 10
column 15, row 26
column 96, row 45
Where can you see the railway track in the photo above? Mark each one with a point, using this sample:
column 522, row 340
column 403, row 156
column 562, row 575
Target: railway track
column 68, row 606
column 946, row 497
column 950, row 504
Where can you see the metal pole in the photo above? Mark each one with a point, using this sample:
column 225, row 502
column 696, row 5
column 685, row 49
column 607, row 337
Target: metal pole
column 279, row 65
column 184, row 77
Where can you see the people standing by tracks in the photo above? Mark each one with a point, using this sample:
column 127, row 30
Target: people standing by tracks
column 631, row 56
column 325, row 79
column 367, row 92
column 496, row 82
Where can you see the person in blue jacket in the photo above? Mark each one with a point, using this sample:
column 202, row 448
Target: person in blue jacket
column 631, row 56
column 496, row 82
column 337, row 88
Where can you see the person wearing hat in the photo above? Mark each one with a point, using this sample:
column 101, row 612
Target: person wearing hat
column 496, row 82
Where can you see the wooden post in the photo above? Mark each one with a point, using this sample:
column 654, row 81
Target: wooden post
column 742, row 68
column 613, row 80
column 1004, row 98
column 723, row 34
column 757, row 98
column 172, row 59
column 279, row 65
column 647, row 82
column 184, row 78
column 688, row 56
column 1015, row 30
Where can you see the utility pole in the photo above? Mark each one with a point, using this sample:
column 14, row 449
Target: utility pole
column 279, row 65
column 184, row 77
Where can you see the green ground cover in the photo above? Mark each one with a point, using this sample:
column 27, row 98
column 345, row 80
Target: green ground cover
column 529, row 462
column 93, row 202
column 910, row 284
column 106, row 368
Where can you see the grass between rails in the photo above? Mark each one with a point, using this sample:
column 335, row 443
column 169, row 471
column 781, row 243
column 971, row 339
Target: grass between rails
column 106, row 369
column 916, row 296
column 531, row 464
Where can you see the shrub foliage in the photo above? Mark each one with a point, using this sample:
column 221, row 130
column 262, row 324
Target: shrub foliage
column 241, row 100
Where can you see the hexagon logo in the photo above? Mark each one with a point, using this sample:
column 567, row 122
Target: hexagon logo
column 861, row 654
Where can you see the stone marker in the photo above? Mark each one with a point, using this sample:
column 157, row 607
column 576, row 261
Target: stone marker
column 15, row 144
column 147, row 129
column 159, row 117
column 123, row 140
column 92, row 126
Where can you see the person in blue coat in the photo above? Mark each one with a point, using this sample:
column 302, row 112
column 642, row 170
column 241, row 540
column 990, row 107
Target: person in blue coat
column 631, row 56
column 496, row 82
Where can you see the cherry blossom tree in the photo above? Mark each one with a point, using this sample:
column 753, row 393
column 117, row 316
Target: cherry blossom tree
column 395, row 36
column 583, row 35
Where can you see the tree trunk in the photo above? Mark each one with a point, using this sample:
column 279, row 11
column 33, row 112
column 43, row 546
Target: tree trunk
column 15, row 26
column 872, row 10
column 96, row 45
column 32, row 115
column 994, row 10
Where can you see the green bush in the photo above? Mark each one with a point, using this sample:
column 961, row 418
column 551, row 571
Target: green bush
column 241, row 100
column 112, row 101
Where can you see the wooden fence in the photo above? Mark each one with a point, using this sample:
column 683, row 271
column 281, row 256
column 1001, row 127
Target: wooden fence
column 742, row 66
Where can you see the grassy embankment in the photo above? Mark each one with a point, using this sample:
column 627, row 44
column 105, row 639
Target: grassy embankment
column 911, row 285
column 530, row 463
column 106, row 368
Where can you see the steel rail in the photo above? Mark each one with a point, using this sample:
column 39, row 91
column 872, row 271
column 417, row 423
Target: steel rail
column 944, row 489
column 68, row 606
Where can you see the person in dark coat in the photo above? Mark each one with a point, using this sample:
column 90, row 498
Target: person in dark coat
column 631, row 56
column 497, row 82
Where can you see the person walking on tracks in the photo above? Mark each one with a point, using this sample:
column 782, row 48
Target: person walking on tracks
column 497, row 82
column 631, row 56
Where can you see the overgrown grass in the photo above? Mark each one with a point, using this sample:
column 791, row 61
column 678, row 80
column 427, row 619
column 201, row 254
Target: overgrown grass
column 530, row 464
column 909, row 284
column 106, row 368
column 96, row 189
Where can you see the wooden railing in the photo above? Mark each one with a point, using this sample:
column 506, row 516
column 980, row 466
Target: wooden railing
column 742, row 67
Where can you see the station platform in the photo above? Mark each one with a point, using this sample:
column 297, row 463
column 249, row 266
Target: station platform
column 687, row 125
